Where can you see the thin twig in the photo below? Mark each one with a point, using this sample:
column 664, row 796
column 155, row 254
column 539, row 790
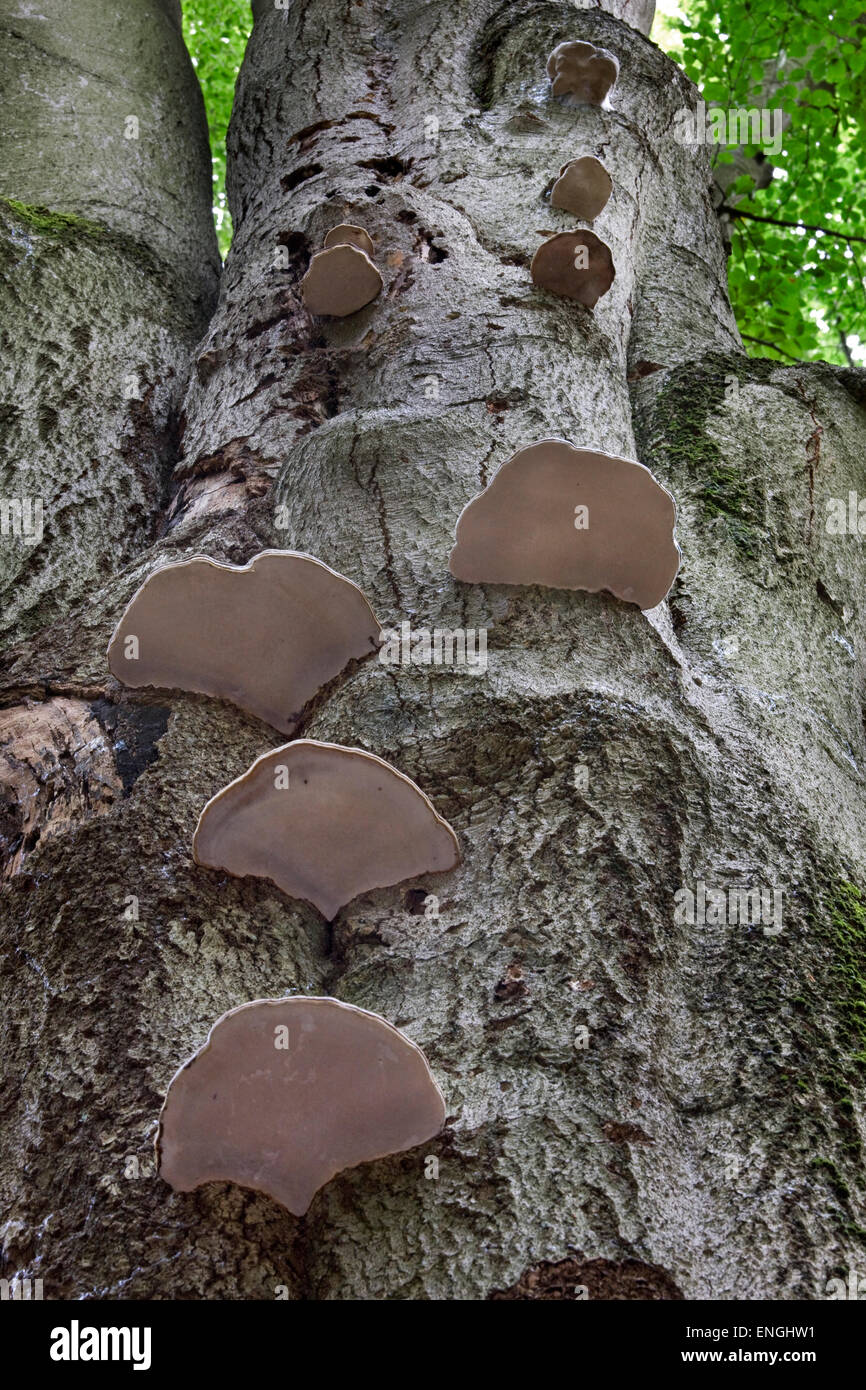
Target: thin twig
column 764, row 343
column 779, row 222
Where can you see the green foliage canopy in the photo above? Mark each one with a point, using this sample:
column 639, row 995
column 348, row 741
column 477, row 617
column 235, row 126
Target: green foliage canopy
column 216, row 33
column 797, row 277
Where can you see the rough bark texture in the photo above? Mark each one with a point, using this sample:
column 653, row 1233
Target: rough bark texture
column 707, row 1143
column 109, row 265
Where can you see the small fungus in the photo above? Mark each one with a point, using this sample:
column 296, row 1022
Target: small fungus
column 346, row 234
column 266, row 635
column 583, row 188
column 582, row 71
column 570, row 518
column 342, row 279
column 324, row 823
column 286, row 1093
column 576, row 264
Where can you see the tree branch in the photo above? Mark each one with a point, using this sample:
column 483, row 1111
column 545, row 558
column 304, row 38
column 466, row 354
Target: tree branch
column 780, row 222
column 747, row 337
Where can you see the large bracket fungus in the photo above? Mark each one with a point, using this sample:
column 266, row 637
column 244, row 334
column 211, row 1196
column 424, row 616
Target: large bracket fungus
column 576, row 264
column 583, row 188
column 342, row 278
column 286, row 1093
column 571, row 518
column 265, row 635
column 582, row 71
column 324, row 823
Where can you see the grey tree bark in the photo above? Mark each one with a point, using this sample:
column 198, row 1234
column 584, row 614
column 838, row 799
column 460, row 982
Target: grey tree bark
column 707, row 1142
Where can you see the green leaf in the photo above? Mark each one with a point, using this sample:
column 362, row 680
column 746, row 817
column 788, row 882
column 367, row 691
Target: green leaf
column 216, row 33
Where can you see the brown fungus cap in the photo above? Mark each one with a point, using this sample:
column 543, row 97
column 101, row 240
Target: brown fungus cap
column 347, row 234
column 571, row 518
column 577, row 265
column 583, row 188
column 582, row 71
column 265, row 635
column 286, row 1093
column 340, row 281
column 324, row 823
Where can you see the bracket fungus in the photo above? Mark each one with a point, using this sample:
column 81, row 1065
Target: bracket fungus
column 576, row 264
column 265, row 635
column 286, row 1093
column 347, row 234
column 570, row 518
column 342, row 278
column 324, row 823
column 583, row 71
column 583, row 188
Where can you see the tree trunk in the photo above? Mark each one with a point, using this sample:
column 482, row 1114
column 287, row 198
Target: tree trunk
column 638, row 1106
